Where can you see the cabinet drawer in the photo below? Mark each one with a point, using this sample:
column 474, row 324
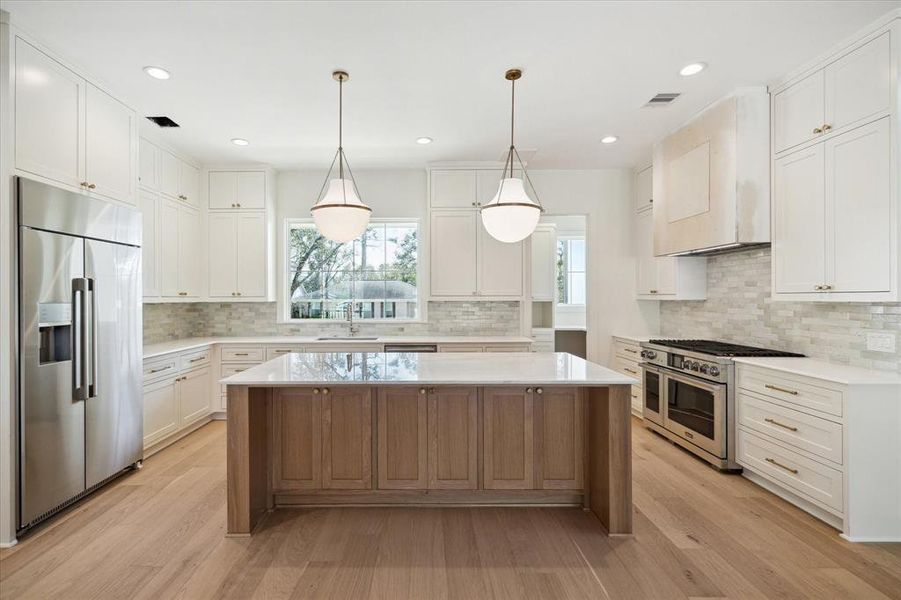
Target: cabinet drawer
column 627, row 367
column 628, row 350
column 242, row 354
column 276, row 351
column 543, row 335
column 460, row 348
column 509, row 348
column 230, row 369
column 788, row 468
column 636, row 399
column 197, row 358
column 159, row 367
column 794, row 389
column 813, row 434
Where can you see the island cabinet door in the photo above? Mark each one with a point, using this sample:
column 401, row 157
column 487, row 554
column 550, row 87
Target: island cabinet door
column 453, row 438
column 508, row 438
column 297, row 439
column 346, row 438
column 402, row 436
column 559, row 433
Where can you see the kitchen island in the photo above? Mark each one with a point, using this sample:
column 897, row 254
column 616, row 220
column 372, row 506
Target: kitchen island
column 450, row 429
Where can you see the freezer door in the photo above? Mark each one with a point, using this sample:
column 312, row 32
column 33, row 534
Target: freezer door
column 114, row 427
column 51, row 410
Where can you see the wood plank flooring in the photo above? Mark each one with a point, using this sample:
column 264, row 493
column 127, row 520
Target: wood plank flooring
column 159, row 533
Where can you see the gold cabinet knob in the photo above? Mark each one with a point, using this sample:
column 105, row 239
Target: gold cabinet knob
column 315, row 390
column 528, row 390
column 539, row 391
column 827, row 127
column 817, row 130
column 239, row 205
column 324, row 391
column 83, row 184
column 91, row 186
column 422, row 390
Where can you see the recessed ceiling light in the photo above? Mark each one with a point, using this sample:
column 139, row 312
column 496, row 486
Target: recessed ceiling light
column 692, row 69
column 424, row 140
column 240, row 142
column 609, row 139
column 157, row 72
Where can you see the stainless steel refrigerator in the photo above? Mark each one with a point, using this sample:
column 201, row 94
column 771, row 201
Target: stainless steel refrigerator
column 80, row 408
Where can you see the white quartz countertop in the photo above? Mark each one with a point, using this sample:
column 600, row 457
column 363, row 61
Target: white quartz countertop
column 452, row 368
column 152, row 350
column 637, row 338
column 819, row 369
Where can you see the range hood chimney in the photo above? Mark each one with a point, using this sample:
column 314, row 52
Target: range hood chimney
column 712, row 179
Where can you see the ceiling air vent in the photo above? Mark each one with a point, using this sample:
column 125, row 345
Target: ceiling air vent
column 163, row 121
column 662, row 99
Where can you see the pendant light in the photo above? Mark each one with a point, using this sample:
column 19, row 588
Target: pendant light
column 339, row 214
column 511, row 215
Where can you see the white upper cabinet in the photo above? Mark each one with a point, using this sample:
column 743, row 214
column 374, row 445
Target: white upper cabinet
column 453, row 189
column 799, row 112
column 644, row 189
column 167, row 257
column 170, row 168
column 835, row 200
column 544, row 263
column 665, row 277
column 177, row 179
column 453, row 253
column 110, row 145
column 465, row 261
column 49, row 117
column 189, row 183
column 798, row 221
column 858, row 208
column 237, row 190
column 238, row 256
column 859, row 84
column 71, row 132
column 500, row 266
column 179, row 250
column 148, row 165
column 149, row 205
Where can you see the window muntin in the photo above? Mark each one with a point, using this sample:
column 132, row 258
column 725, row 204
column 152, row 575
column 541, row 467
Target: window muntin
column 571, row 281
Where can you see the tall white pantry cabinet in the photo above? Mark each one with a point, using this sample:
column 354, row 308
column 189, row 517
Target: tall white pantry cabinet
column 835, row 189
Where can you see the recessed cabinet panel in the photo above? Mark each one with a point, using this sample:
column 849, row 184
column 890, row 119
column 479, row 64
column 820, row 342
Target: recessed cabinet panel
column 508, row 438
column 251, row 189
column 799, row 112
column 500, row 266
column 223, row 255
column 149, row 205
column 402, row 438
column 453, row 253
column 49, row 117
column 251, row 255
column 168, row 249
column 347, row 439
column 799, row 221
column 160, row 411
column 110, row 134
column 644, row 189
column 169, row 173
column 188, row 252
column 189, row 183
column 148, row 165
column 194, row 395
column 453, row 189
column 297, row 439
column 223, row 189
column 562, row 425
column 858, row 209
column 859, row 84
column 453, row 438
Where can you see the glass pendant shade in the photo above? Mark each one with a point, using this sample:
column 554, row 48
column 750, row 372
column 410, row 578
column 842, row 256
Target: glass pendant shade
column 511, row 216
column 340, row 215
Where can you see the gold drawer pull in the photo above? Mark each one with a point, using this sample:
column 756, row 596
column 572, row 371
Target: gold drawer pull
column 630, row 370
column 780, row 389
column 199, row 358
column 778, row 424
column 773, row 461
column 241, row 354
column 631, row 350
column 160, row 369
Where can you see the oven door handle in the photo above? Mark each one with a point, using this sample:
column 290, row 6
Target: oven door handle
column 710, row 386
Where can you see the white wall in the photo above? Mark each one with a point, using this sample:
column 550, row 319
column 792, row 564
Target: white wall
column 605, row 197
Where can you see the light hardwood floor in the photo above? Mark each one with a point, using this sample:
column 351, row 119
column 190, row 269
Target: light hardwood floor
column 159, row 533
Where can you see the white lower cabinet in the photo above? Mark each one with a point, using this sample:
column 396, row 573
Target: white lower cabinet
column 177, row 390
column 826, row 443
column 625, row 358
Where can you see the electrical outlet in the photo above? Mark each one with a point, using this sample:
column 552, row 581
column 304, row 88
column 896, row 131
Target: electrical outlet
column 881, row 342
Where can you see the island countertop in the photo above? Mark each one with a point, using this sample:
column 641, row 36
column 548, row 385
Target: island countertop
column 458, row 368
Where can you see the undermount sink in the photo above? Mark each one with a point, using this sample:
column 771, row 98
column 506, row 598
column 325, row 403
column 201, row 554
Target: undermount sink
column 345, row 338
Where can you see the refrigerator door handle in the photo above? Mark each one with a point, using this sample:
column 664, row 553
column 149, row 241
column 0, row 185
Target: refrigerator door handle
column 93, row 389
column 79, row 339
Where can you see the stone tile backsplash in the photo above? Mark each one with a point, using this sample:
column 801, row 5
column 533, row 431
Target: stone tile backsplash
column 164, row 322
column 739, row 309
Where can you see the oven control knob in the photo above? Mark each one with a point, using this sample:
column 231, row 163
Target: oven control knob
column 649, row 354
column 694, row 366
column 704, row 368
column 686, row 365
column 714, row 370
column 644, row 353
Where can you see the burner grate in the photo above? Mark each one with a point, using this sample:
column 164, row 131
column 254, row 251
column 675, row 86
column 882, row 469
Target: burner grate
column 716, row 348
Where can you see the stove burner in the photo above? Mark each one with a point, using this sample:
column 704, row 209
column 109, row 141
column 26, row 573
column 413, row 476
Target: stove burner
column 715, row 348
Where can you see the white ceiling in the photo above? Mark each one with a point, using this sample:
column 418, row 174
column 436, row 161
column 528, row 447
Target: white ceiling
column 262, row 71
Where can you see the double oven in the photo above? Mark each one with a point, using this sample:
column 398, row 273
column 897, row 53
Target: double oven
column 688, row 398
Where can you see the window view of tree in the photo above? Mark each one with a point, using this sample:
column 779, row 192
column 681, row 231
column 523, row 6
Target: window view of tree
column 571, row 271
column 374, row 275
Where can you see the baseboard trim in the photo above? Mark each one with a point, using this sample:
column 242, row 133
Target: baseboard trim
column 8, row 544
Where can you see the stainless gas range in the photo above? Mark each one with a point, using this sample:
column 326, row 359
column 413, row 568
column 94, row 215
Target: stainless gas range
column 689, row 394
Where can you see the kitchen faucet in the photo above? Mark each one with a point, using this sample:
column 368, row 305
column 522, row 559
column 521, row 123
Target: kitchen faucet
column 352, row 327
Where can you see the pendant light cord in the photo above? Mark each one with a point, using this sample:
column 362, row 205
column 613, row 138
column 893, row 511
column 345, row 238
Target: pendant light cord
column 341, row 129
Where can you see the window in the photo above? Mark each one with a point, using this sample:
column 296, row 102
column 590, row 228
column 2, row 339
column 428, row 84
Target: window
column 376, row 274
column 571, row 270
